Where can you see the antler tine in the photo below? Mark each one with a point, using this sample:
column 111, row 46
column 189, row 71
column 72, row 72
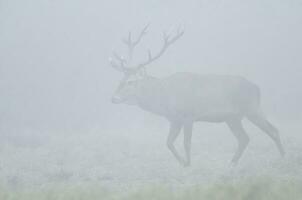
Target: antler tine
column 168, row 40
column 119, row 58
column 130, row 43
column 149, row 54
column 121, row 66
column 165, row 37
column 115, row 65
column 143, row 32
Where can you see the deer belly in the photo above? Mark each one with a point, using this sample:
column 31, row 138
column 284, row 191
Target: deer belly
column 219, row 116
column 211, row 112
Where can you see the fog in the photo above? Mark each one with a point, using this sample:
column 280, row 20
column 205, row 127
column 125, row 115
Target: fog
column 56, row 88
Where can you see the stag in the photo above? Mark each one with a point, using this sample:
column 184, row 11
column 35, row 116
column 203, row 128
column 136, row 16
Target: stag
column 185, row 98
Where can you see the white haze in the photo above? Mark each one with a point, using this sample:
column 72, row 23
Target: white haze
column 56, row 85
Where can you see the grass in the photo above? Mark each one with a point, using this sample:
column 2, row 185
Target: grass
column 248, row 189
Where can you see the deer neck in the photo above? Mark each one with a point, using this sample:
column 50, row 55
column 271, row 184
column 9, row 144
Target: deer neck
column 151, row 95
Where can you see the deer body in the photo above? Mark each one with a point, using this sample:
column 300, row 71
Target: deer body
column 194, row 97
column 184, row 98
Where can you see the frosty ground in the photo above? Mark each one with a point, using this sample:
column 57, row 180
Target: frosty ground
column 125, row 159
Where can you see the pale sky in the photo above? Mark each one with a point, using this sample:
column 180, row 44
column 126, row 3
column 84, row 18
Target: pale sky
column 54, row 71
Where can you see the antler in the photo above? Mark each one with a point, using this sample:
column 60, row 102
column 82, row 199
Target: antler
column 131, row 44
column 123, row 65
column 168, row 40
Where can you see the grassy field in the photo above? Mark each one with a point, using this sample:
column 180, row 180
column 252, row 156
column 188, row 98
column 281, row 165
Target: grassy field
column 112, row 166
column 263, row 188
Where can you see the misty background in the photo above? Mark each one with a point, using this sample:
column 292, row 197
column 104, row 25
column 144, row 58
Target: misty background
column 55, row 79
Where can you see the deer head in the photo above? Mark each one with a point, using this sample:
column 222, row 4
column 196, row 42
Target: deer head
column 128, row 86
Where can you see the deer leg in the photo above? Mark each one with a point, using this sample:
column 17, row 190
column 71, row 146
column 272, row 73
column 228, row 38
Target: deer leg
column 174, row 131
column 241, row 136
column 262, row 123
column 187, row 142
